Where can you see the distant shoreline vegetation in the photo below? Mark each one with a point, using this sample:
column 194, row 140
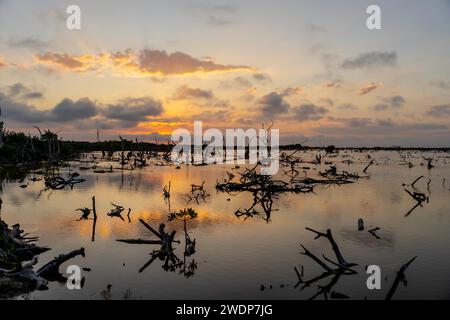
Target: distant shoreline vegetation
column 26, row 149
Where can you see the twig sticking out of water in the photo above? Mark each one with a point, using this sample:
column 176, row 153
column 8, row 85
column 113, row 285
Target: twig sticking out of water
column 373, row 232
column 166, row 191
column 428, row 185
column 116, row 212
column 399, row 278
column 166, row 194
column 429, row 162
column 415, row 181
column 341, row 261
column 368, row 166
column 128, row 215
column 85, row 212
column 419, row 197
column 94, row 211
column 343, row 267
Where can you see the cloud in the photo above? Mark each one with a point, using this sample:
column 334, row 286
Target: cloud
column 273, row 104
column 238, row 82
column 221, row 104
column 369, row 88
column 251, row 90
column 33, row 95
column 179, row 63
column 217, row 21
column 380, row 107
column 327, row 101
column 133, row 109
column 439, row 111
column 292, row 91
column 214, row 7
column 16, row 89
column 261, row 77
column 378, row 127
column 66, row 62
column 30, row 43
column 211, row 116
column 18, row 111
column 309, row 112
column 200, row 98
column 371, row 59
column 333, row 84
column 145, row 62
column 187, row 93
column 396, row 101
column 222, row 7
column 315, row 29
column 347, row 106
column 65, row 111
column 357, row 122
column 68, row 110
column 329, row 61
column 425, row 126
column 2, row 62
column 242, row 82
column 84, row 112
column 20, row 91
column 393, row 102
column 441, row 84
column 218, row 15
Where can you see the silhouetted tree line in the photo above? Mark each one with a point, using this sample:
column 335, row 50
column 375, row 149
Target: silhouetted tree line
column 18, row 147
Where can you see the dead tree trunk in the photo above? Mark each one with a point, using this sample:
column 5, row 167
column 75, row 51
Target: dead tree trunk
column 52, row 267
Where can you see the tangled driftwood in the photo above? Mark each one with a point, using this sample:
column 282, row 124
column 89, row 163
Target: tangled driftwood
column 116, row 212
column 166, row 251
column 419, row 197
column 17, row 258
column 342, row 268
column 198, row 192
column 265, row 188
column 57, row 182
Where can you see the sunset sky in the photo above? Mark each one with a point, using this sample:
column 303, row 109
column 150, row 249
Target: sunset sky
column 144, row 68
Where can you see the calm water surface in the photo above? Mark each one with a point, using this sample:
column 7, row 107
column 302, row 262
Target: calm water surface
column 236, row 256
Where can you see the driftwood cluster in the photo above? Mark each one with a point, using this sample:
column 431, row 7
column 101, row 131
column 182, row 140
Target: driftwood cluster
column 57, row 182
column 337, row 269
column 416, row 195
column 198, row 193
column 131, row 156
column 265, row 189
column 18, row 256
column 166, row 252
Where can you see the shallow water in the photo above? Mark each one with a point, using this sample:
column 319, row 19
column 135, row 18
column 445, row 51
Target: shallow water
column 236, row 256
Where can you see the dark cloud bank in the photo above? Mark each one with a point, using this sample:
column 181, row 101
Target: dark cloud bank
column 125, row 113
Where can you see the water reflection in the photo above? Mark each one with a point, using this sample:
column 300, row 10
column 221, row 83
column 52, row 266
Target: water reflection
column 236, row 232
column 385, row 238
